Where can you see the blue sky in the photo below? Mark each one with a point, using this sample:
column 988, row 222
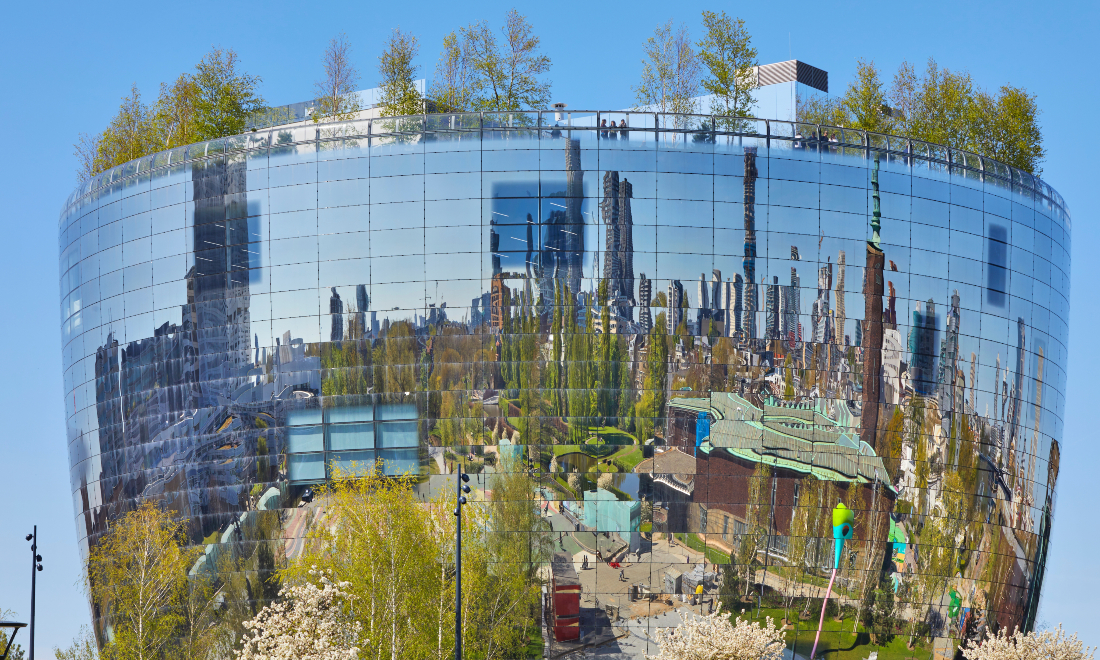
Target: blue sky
column 65, row 66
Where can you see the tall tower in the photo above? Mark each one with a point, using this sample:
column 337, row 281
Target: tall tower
column 618, row 267
column 645, row 296
column 771, row 309
column 336, row 315
column 703, row 314
column 675, row 305
column 871, row 339
column 736, row 290
column 749, row 295
column 572, row 237
column 362, row 304
column 841, row 317
column 718, row 300
column 791, row 306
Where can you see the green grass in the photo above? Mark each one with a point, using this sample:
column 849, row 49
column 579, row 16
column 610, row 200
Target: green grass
column 837, row 641
column 534, row 641
column 713, row 555
column 613, row 436
column 565, row 485
column 628, row 458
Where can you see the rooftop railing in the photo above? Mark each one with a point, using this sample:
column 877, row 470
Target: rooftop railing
column 667, row 128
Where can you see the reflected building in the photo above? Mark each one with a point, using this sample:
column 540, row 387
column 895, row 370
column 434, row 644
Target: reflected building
column 230, row 343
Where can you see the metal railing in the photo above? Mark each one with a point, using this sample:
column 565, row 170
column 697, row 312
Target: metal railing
column 667, row 128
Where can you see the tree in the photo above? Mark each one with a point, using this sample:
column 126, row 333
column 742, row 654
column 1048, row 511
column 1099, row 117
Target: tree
column 670, row 72
column 137, row 577
column 86, row 151
column 714, row 637
column 337, row 99
column 878, row 613
column 508, row 74
column 729, row 57
column 758, row 512
column 605, row 480
column 939, row 106
column 129, row 135
column 1007, row 128
column 174, row 114
column 454, row 87
column 82, row 648
column 1045, row 645
column 395, row 553
column 226, row 96
column 308, row 622
column 398, row 76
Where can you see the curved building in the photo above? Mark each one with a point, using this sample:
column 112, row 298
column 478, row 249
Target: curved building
column 745, row 326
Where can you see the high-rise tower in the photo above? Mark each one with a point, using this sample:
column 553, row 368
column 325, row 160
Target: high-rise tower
column 618, row 267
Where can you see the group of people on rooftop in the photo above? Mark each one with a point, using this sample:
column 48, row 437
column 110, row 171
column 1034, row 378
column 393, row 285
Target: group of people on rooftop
column 814, row 140
column 607, row 134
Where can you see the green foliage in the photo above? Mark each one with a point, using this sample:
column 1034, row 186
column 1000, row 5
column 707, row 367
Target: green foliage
column 138, row 581
column 398, row 73
column 83, row 648
column 670, row 72
column 398, row 554
column 215, row 101
column 727, row 53
column 226, row 97
column 336, row 97
column 879, row 613
column 939, row 106
column 476, row 71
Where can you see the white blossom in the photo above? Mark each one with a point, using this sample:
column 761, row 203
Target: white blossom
column 1046, row 645
column 713, row 637
column 605, row 480
column 307, row 622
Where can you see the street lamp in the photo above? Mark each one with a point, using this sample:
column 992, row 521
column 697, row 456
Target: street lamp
column 461, row 479
column 36, row 565
column 15, row 626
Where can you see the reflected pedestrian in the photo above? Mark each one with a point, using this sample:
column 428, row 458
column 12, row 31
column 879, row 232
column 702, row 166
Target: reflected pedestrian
column 603, row 128
column 623, row 134
column 614, row 135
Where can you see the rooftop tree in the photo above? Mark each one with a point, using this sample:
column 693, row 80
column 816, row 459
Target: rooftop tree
column 730, row 59
column 398, row 76
column 670, row 72
column 337, row 99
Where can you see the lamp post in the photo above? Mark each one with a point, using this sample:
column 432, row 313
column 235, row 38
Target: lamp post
column 461, row 479
column 15, row 626
column 36, row 565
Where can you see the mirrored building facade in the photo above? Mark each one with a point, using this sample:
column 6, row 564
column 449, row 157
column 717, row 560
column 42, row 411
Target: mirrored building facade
column 696, row 338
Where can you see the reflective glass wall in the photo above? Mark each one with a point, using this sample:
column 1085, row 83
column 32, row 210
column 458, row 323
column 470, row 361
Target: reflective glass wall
column 693, row 339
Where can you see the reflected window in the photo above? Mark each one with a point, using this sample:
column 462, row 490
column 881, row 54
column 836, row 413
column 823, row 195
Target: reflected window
column 996, row 265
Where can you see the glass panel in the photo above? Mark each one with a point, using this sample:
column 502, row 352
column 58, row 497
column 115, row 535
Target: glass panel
column 306, row 467
column 351, row 436
column 301, row 439
column 352, row 462
column 350, row 414
column 398, row 434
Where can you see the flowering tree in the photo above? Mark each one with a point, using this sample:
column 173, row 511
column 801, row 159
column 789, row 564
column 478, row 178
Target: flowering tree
column 1046, row 645
column 605, row 480
column 306, row 623
column 714, row 637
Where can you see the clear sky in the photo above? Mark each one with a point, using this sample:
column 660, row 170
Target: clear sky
column 63, row 67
